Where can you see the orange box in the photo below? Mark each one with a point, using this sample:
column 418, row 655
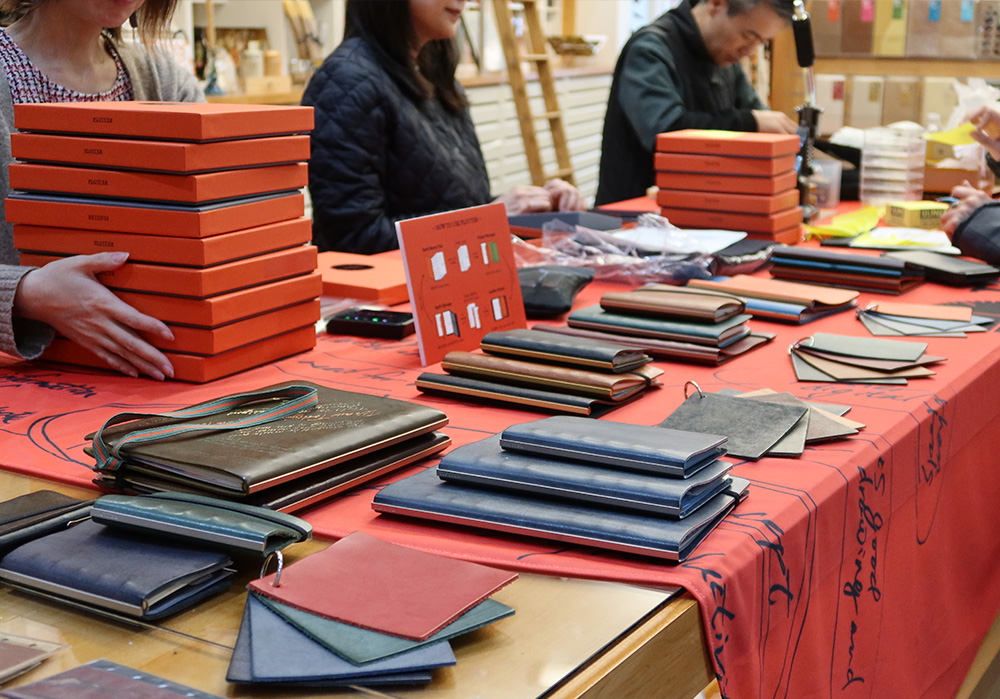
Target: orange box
column 789, row 236
column 733, row 184
column 165, row 156
column 170, row 121
column 201, row 282
column 211, row 341
column 180, row 221
column 723, row 164
column 751, row 223
column 190, row 252
column 198, row 369
column 748, row 144
column 365, row 277
column 714, row 201
column 225, row 308
column 191, row 189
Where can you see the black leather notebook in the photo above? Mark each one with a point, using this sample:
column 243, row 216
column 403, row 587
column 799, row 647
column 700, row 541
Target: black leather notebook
column 948, row 269
column 36, row 514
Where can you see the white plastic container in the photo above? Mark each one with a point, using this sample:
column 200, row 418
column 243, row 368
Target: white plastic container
column 892, row 166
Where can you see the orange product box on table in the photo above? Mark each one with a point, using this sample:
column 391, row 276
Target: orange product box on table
column 171, row 121
column 199, row 369
column 718, row 201
column 788, row 236
column 192, row 221
column 202, row 282
column 732, row 184
column 723, row 164
column 185, row 252
column 750, row 144
column 751, row 223
column 366, row 277
column 225, row 308
column 160, row 156
column 190, row 189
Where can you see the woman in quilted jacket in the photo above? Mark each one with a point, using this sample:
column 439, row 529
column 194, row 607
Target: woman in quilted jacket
column 393, row 136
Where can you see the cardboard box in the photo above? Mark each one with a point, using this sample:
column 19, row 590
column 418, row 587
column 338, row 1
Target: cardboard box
column 225, row 308
column 131, row 217
column 751, row 223
column 940, row 34
column 831, row 91
column 939, row 96
column 189, row 189
column 171, row 121
column 826, row 27
column 189, row 252
column 365, row 277
column 748, row 144
column 889, row 32
column 204, row 282
column 788, row 236
column 941, row 180
column 212, row 341
column 857, row 28
column 723, row 164
column 734, row 184
column 902, row 99
column 198, row 369
column 864, row 101
column 165, row 156
column 915, row 214
column 735, row 203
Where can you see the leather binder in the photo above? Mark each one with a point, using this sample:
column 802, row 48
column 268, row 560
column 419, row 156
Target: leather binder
column 36, row 514
column 682, row 303
column 549, row 347
column 716, row 334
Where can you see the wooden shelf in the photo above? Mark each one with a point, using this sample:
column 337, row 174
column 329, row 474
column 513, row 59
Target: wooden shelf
column 885, row 65
column 292, row 97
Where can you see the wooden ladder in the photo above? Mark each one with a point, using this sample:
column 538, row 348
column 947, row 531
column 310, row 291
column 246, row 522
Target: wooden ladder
column 537, row 54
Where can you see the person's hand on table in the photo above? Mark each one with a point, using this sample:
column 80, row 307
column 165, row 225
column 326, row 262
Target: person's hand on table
column 774, row 122
column 987, row 123
column 66, row 295
column 564, row 196
column 968, row 199
column 525, row 199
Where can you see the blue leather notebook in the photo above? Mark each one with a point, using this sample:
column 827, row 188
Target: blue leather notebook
column 91, row 565
column 486, row 465
column 637, row 447
column 426, row 496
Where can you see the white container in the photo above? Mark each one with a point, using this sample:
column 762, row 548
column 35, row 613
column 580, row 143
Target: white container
column 826, row 178
column 892, row 166
column 252, row 61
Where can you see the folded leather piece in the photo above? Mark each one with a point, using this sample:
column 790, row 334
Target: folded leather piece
column 546, row 347
column 804, row 371
column 92, row 566
column 426, row 496
column 823, row 424
column 637, row 447
column 360, row 580
column 487, row 465
column 212, row 522
column 662, row 300
column 948, row 269
column 866, row 347
column 19, row 654
column 716, row 335
column 36, row 514
column 774, row 299
column 549, row 290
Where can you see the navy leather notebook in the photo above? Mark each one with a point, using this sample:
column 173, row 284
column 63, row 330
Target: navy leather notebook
column 637, row 447
column 485, row 464
column 426, row 496
column 91, row 565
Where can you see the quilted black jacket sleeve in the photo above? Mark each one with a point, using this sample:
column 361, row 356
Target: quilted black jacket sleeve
column 379, row 156
column 979, row 234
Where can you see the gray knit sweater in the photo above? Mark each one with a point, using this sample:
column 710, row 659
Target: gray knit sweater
column 155, row 76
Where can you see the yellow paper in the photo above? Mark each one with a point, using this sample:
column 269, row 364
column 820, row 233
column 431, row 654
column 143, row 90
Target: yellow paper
column 847, row 225
column 958, row 136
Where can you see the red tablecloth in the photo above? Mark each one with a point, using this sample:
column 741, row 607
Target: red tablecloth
column 868, row 567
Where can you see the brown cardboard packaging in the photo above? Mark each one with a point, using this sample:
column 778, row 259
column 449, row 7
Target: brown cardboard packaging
column 733, row 184
column 734, row 203
column 365, row 277
column 723, row 164
column 748, row 144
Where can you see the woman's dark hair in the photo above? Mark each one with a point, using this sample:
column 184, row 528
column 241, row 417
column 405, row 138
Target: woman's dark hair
column 388, row 27
column 153, row 18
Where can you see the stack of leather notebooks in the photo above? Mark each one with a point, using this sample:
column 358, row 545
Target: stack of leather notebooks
column 295, row 461
column 205, row 199
column 362, row 612
column 880, row 275
column 143, row 557
column 547, row 371
column 730, row 180
column 868, row 360
column 670, row 322
column 631, row 488
column 781, row 301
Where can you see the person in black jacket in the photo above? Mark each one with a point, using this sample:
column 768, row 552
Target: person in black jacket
column 393, row 136
column 682, row 72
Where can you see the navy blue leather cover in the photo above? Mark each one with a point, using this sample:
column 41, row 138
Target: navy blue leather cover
column 713, row 334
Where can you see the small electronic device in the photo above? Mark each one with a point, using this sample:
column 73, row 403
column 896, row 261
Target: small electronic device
column 365, row 322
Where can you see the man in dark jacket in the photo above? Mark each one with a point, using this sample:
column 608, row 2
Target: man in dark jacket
column 682, row 72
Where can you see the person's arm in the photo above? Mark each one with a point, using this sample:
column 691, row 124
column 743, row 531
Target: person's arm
column 979, row 234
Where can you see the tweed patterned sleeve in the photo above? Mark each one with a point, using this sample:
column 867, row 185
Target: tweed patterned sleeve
column 18, row 336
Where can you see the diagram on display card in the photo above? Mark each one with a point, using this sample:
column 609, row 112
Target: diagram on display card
column 461, row 277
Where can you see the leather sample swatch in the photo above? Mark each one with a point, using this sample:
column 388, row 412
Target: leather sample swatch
column 827, row 357
column 662, row 300
column 363, row 581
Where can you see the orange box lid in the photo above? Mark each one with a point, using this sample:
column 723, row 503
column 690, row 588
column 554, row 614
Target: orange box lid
column 788, row 236
column 749, row 144
column 172, row 121
column 202, row 282
column 132, row 217
column 225, row 308
column 198, row 369
column 734, row 184
column 751, row 223
column 736, row 203
column 165, row 156
column 365, row 277
column 189, row 252
column 199, row 188
column 723, row 164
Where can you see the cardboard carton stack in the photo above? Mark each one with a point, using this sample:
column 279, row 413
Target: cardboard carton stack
column 205, row 199
column 730, row 180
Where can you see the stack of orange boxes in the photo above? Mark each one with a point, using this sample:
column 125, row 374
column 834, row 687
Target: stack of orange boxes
column 730, row 180
column 206, row 200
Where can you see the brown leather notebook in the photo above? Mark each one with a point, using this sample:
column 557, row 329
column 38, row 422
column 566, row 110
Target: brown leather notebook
column 777, row 290
column 663, row 300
